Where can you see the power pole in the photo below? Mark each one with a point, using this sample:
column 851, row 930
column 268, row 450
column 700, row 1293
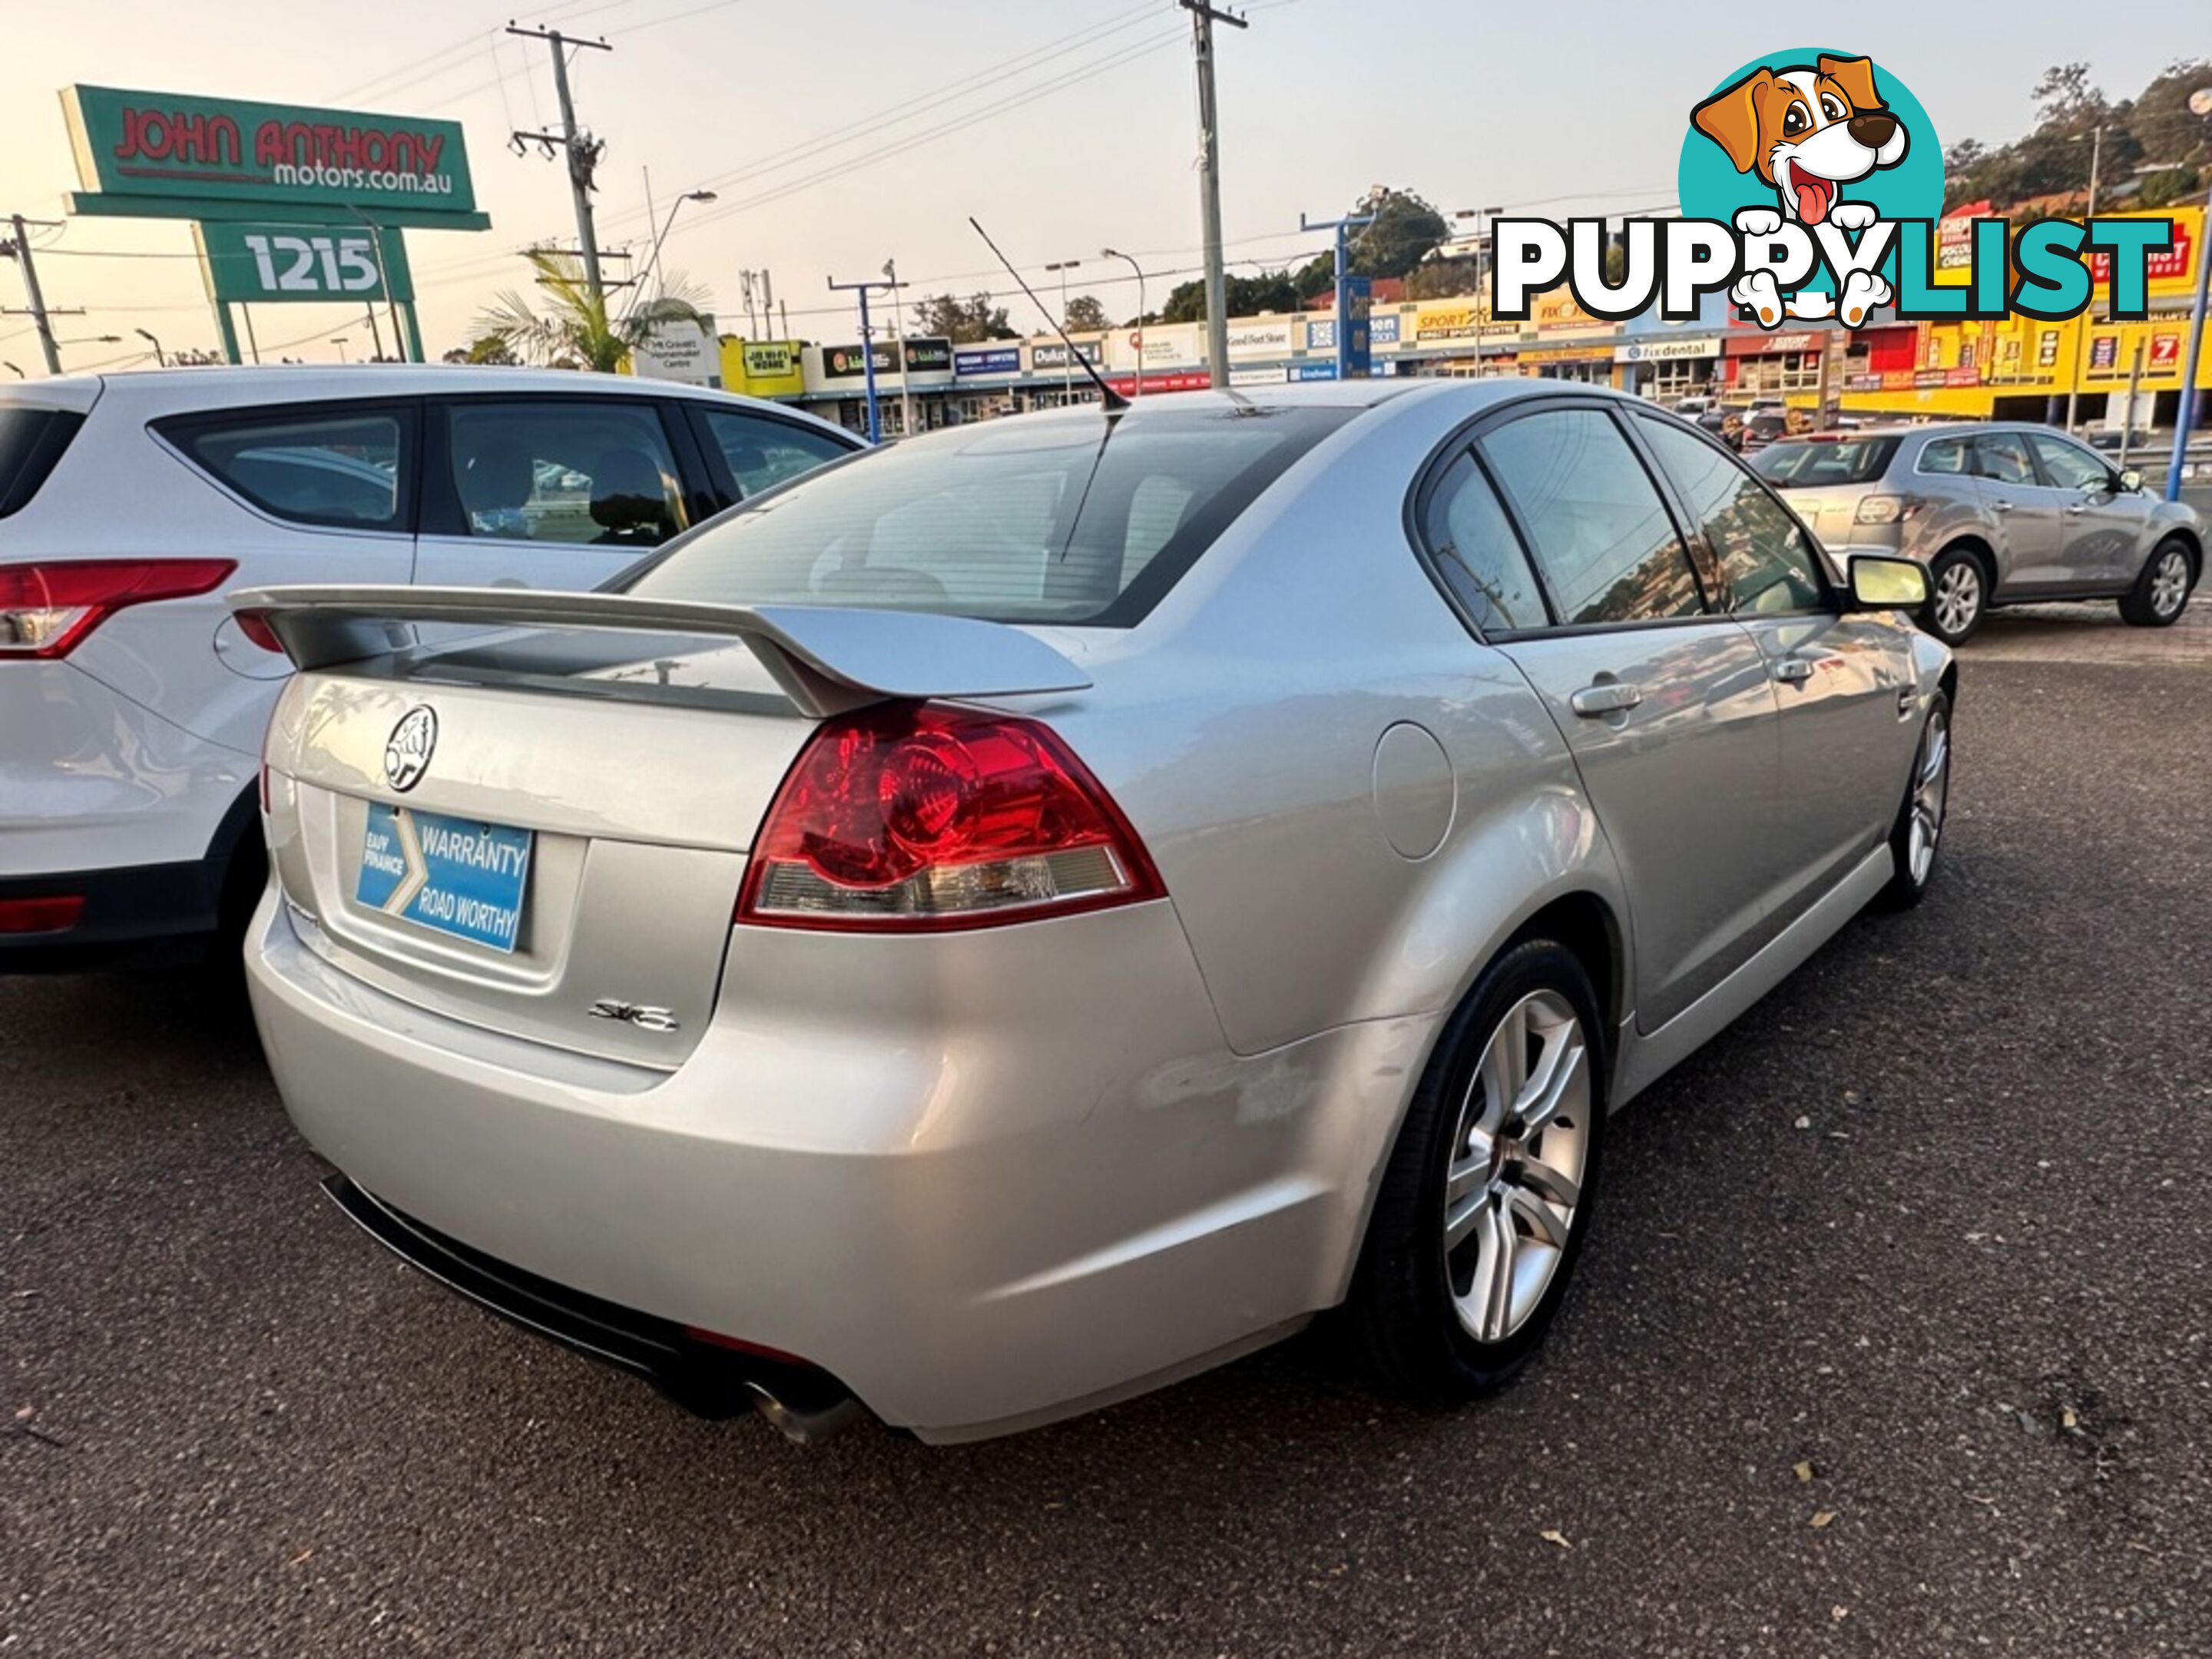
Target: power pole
column 581, row 149
column 1203, row 16
column 891, row 286
column 20, row 250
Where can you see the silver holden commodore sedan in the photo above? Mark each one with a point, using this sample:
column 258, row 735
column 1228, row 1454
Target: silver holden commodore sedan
column 2001, row 514
column 1005, row 922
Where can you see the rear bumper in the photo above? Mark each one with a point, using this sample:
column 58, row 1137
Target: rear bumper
column 145, row 915
column 1015, row 1205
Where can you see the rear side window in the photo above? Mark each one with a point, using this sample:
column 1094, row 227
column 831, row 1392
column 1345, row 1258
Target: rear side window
column 1477, row 555
column 566, row 469
column 762, row 453
column 30, row 441
column 348, row 468
column 1069, row 519
column 1599, row 529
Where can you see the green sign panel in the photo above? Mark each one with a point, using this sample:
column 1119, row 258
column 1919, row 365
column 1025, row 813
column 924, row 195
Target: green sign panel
column 261, row 265
column 170, row 155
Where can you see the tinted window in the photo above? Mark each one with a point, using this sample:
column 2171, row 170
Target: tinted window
column 30, row 441
column 1762, row 551
column 1808, row 463
column 2069, row 466
column 346, row 469
column 1477, row 555
column 571, row 471
column 2002, row 456
column 763, row 454
column 1049, row 519
column 1944, row 455
column 1604, row 539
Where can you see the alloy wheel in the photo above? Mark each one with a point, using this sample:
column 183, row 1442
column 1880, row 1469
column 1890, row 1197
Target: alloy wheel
column 2169, row 583
column 1518, row 1159
column 1958, row 598
column 1931, row 793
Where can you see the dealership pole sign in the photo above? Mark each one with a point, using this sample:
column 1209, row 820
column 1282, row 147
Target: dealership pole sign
column 274, row 264
column 171, row 155
column 292, row 202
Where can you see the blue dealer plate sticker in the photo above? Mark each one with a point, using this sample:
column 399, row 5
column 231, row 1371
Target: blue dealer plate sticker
column 454, row 875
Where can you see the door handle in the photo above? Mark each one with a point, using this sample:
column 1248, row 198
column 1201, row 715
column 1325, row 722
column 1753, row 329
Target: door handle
column 2077, row 509
column 1607, row 697
column 1793, row 671
column 2001, row 506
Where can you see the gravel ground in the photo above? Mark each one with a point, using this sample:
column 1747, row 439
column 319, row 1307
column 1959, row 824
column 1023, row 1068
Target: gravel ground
column 1892, row 1340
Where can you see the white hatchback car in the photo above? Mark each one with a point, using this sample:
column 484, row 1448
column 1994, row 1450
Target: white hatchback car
column 132, row 706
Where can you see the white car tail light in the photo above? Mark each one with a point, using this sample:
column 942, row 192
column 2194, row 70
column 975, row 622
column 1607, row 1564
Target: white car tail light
column 46, row 609
column 912, row 818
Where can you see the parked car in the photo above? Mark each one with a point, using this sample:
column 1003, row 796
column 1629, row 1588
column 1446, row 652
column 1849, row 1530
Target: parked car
column 1762, row 427
column 132, row 709
column 1094, row 891
column 2000, row 513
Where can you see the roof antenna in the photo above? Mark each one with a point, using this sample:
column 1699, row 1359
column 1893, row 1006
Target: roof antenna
column 1114, row 402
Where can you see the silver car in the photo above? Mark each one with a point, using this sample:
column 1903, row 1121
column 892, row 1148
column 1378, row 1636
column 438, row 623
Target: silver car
column 2000, row 513
column 1005, row 922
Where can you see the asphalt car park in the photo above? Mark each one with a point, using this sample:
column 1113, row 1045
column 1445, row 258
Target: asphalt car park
column 1895, row 1342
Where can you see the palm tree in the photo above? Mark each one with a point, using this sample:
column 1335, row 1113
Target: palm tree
column 575, row 330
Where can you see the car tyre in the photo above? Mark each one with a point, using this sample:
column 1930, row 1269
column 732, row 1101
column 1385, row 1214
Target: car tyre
column 1917, row 837
column 1486, row 1201
column 1958, row 595
column 2161, row 590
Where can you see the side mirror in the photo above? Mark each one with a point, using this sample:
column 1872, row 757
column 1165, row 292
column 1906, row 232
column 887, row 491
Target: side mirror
column 1881, row 584
column 2131, row 480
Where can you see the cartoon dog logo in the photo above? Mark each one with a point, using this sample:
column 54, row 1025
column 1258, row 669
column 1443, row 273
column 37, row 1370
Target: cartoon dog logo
column 1807, row 129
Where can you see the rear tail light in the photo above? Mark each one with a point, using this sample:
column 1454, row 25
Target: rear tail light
column 913, row 818
column 53, row 913
column 46, row 609
column 1882, row 509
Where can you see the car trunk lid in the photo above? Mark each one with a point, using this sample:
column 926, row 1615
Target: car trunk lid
column 545, row 832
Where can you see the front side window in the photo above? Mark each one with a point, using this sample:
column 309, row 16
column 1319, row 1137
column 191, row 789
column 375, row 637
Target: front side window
column 762, row 453
column 2001, row 457
column 571, row 471
column 2069, row 466
column 1594, row 518
column 346, row 469
column 1075, row 519
column 1477, row 555
column 1763, row 553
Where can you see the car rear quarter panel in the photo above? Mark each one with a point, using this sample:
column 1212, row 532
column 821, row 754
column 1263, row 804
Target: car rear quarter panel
column 1239, row 726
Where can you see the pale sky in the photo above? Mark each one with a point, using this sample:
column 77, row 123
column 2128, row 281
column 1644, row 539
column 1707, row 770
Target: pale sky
column 1071, row 125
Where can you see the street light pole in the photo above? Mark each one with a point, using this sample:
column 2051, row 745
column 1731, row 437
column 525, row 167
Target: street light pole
column 1138, row 389
column 160, row 362
column 2200, row 103
column 339, row 341
column 652, row 260
column 1343, row 320
column 2074, row 382
column 868, row 351
column 1068, row 368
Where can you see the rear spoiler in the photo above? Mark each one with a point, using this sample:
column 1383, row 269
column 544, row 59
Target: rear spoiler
column 827, row 660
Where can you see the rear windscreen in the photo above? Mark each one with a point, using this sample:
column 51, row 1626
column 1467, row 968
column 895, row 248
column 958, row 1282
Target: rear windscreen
column 1072, row 519
column 30, row 441
column 1798, row 465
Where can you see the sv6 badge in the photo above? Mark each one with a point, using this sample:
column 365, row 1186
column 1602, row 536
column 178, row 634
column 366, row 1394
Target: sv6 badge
column 632, row 1013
